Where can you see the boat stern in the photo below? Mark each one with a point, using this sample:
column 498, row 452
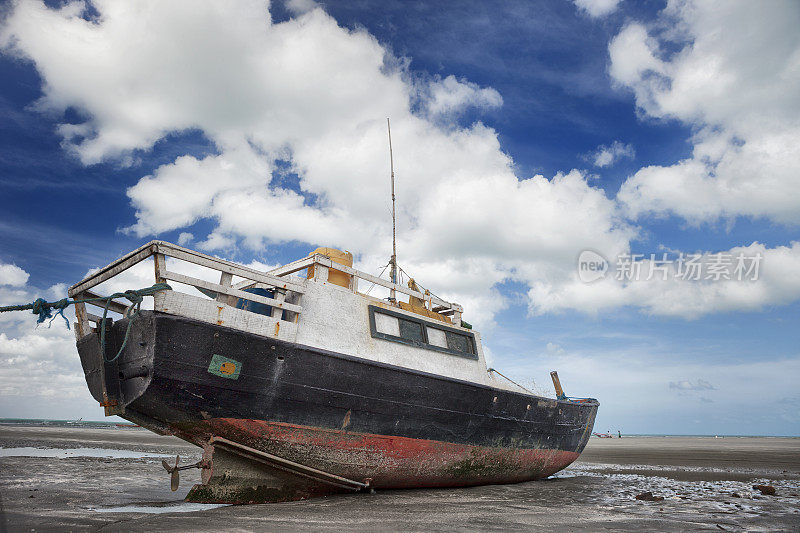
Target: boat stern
column 115, row 374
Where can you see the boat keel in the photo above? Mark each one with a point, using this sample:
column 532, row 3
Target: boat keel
column 238, row 474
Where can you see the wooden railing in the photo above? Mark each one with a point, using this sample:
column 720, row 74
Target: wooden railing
column 223, row 291
column 322, row 264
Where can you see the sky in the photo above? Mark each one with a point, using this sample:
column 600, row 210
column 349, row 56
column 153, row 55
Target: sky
column 610, row 188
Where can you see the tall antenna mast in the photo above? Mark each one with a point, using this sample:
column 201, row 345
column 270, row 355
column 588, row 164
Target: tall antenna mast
column 393, row 260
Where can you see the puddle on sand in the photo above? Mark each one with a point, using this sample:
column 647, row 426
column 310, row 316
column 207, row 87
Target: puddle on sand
column 68, row 453
column 182, row 507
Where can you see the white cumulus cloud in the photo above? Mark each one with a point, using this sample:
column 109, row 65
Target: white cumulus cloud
column 450, row 96
column 12, row 275
column 597, row 8
column 607, row 155
column 731, row 71
column 185, row 238
column 301, row 6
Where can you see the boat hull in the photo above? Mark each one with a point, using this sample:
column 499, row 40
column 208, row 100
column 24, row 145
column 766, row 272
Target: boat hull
column 387, row 426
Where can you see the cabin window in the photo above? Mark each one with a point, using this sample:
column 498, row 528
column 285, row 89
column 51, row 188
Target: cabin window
column 458, row 342
column 387, row 324
column 411, row 331
column 397, row 327
column 437, row 337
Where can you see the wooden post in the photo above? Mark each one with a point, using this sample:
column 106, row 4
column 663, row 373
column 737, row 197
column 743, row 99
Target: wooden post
column 81, row 320
column 225, row 280
column 280, row 296
column 160, row 264
column 557, row 384
column 354, row 283
column 320, row 272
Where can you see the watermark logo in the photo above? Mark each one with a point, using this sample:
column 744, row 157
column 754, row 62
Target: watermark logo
column 591, row 266
column 721, row 266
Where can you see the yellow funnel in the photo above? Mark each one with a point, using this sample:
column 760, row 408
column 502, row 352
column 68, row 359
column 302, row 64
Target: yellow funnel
column 337, row 277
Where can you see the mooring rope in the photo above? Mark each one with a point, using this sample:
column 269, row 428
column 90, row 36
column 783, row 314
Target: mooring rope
column 44, row 310
column 490, row 370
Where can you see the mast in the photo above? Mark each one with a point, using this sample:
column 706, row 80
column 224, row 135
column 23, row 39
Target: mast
column 393, row 260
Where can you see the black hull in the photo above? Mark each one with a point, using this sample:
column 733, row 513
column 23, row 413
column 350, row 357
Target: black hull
column 319, row 400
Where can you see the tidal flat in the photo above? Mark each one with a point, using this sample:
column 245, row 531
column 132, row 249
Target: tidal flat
column 80, row 478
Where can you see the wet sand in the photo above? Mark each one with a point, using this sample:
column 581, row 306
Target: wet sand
column 706, row 483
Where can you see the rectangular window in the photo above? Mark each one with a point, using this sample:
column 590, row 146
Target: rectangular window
column 411, row 331
column 437, row 337
column 387, row 324
column 392, row 326
column 459, row 343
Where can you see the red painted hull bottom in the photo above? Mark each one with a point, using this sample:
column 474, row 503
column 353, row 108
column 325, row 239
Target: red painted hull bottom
column 382, row 461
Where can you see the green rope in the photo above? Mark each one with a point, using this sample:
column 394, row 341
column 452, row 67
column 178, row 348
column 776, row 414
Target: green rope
column 44, row 310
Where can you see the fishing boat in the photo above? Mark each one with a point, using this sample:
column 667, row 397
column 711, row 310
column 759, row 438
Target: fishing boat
column 297, row 383
column 299, row 386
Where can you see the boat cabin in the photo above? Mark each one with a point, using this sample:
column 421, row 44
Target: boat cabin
column 319, row 301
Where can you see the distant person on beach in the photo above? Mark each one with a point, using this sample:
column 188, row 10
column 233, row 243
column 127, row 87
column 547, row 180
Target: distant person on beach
column 619, row 433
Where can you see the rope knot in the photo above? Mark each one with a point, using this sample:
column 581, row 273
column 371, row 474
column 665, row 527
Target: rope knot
column 41, row 308
column 134, row 296
column 44, row 309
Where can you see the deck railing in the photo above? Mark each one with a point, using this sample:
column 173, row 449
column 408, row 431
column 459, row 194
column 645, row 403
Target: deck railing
column 323, row 264
column 223, row 291
column 230, row 289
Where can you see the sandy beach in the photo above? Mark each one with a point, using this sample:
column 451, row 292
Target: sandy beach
column 75, row 478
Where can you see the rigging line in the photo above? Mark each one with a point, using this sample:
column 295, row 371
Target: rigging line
column 379, row 275
column 511, row 380
column 420, row 285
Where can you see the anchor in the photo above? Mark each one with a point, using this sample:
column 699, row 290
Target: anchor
column 174, row 471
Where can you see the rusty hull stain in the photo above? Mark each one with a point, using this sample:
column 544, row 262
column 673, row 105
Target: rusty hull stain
column 390, row 461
